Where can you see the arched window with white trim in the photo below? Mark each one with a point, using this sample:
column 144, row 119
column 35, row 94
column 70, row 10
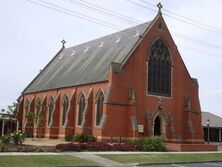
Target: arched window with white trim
column 99, row 107
column 81, row 109
column 65, row 109
column 159, row 69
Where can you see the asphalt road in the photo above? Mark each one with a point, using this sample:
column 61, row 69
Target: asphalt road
column 210, row 164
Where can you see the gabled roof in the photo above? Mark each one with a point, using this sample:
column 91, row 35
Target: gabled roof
column 215, row 121
column 88, row 62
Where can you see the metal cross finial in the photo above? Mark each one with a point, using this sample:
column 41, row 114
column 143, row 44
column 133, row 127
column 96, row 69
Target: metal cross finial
column 160, row 6
column 63, row 43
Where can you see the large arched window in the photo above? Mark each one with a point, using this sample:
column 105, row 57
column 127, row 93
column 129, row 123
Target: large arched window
column 51, row 108
column 159, row 69
column 99, row 107
column 81, row 108
column 65, row 109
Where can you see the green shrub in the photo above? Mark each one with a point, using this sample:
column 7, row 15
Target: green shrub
column 18, row 137
column 154, row 143
column 69, row 138
column 91, row 138
column 83, row 138
column 5, row 139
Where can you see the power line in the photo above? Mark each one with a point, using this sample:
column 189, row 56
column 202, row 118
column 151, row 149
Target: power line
column 108, row 23
column 90, row 19
column 71, row 14
column 194, row 21
column 198, row 22
column 135, row 3
column 79, row 15
column 195, row 40
column 199, row 51
column 102, row 10
column 196, row 25
column 184, row 17
column 187, row 21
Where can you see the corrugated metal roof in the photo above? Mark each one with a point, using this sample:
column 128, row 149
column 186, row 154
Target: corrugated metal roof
column 88, row 62
column 215, row 121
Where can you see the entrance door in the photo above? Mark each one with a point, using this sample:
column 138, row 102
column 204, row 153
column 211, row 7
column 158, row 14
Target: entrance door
column 157, row 126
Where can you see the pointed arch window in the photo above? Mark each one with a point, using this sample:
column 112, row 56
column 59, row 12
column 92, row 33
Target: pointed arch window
column 38, row 108
column 99, row 107
column 27, row 104
column 51, row 108
column 159, row 69
column 81, row 108
column 65, row 109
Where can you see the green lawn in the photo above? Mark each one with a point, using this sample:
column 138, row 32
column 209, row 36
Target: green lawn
column 42, row 161
column 163, row 158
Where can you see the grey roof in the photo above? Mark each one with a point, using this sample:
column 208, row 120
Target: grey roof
column 215, row 121
column 88, row 62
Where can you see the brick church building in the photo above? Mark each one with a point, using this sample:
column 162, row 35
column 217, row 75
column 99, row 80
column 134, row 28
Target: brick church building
column 129, row 84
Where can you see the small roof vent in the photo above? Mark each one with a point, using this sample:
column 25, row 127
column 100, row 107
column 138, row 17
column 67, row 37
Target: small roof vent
column 118, row 39
column 101, row 44
column 73, row 53
column 137, row 33
column 87, row 48
column 61, row 56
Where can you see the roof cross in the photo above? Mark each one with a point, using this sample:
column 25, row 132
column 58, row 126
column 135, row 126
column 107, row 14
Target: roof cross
column 160, row 6
column 63, row 43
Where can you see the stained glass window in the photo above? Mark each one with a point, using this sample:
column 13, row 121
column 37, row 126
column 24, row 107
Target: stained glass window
column 51, row 108
column 159, row 69
column 99, row 108
column 65, row 109
column 38, row 107
column 81, row 108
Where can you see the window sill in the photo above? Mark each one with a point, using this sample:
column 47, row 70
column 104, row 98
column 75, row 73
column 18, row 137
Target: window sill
column 159, row 95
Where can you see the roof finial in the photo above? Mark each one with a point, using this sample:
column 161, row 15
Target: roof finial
column 63, row 43
column 159, row 5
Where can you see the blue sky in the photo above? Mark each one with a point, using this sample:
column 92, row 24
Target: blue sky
column 31, row 35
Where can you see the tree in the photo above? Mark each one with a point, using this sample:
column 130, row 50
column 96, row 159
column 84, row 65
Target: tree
column 10, row 114
column 38, row 116
column 11, row 110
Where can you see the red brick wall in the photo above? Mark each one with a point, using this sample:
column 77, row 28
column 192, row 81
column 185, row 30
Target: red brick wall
column 120, row 107
column 134, row 73
column 57, row 130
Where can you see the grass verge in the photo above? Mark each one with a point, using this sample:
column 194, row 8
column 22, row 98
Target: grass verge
column 163, row 158
column 43, row 160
